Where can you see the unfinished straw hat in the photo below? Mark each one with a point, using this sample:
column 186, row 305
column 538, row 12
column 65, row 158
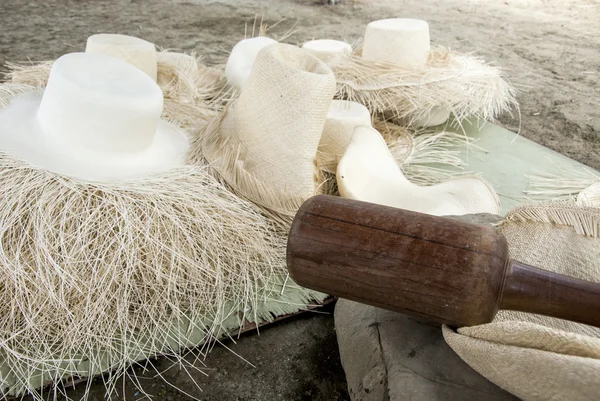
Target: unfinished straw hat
column 242, row 57
column 532, row 356
column 103, row 266
column 193, row 93
column 135, row 51
column 396, row 71
column 342, row 118
column 265, row 146
column 98, row 119
column 328, row 50
column 368, row 172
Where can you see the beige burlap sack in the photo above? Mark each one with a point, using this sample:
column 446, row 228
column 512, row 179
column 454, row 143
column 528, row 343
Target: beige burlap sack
column 537, row 357
column 265, row 146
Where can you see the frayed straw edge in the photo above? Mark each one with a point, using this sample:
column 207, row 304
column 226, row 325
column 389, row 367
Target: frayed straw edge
column 569, row 182
column 584, row 220
column 465, row 85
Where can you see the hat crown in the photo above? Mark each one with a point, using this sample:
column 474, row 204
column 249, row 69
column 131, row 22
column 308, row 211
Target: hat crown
column 100, row 103
column 136, row 51
column 401, row 41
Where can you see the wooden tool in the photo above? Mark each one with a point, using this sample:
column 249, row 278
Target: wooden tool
column 433, row 268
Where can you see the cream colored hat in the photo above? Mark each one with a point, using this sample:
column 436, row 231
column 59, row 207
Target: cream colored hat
column 342, row 118
column 98, row 120
column 400, row 41
column 135, row 51
column 241, row 59
column 266, row 145
column 368, row 172
column 328, row 49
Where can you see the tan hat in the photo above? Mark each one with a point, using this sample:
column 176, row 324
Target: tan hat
column 135, row 51
column 266, row 144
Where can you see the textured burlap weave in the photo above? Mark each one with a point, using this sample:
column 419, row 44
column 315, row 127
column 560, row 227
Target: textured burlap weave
column 537, row 357
column 279, row 117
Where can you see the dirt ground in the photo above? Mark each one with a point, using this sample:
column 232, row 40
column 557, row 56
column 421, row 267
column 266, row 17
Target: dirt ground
column 550, row 48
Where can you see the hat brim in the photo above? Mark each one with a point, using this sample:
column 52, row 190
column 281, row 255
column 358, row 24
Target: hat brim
column 23, row 137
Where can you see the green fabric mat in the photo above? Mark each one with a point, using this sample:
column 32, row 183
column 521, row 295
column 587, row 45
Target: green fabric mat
column 507, row 160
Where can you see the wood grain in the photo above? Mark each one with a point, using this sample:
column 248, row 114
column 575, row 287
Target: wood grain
column 429, row 267
column 436, row 269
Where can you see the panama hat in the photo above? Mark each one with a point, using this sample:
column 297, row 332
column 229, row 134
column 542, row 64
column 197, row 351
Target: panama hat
column 98, row 119
column 135, row 51
column 242, row 57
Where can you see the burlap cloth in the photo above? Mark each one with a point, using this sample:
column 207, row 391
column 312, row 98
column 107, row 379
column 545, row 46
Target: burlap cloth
column 536, row 357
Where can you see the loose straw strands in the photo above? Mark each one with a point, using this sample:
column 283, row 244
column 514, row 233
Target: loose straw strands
column 566, row 183
column 97, row 276
column 426, row 157
column 465, row 85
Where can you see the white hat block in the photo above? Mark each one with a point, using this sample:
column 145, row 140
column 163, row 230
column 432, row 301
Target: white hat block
column 368, row 172
column 135, row 51
column 437, row 116
column 240, row 61
column 397, row 40
column 98, row 120
column 342, row 118
column 328, row 49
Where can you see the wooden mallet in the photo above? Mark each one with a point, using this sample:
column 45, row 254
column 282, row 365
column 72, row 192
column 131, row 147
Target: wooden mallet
column 436, row 269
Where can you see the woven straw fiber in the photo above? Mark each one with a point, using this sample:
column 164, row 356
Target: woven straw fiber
column 265, row 145
column 278, row 119
column 537, row 357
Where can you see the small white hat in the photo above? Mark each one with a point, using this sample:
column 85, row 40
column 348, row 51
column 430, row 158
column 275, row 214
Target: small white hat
column 97, row 120
column 328, row 49
column 343, row 117
column 368, row 172
column 135, row 51
column 241, row 59
column 401, row 41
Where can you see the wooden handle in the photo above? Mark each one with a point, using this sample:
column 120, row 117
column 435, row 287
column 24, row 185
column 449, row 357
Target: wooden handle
column 533, row 290
column 436, row 269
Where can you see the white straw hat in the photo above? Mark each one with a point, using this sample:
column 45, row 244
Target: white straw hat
column 401, row 41
column 368, row 172
column 241, row 59
column 266, row 145
column 136, row 51
column 328, row 49
column 343, row 117
column 97, row 120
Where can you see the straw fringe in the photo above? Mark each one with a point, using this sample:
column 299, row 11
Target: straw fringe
column 426, row 157
column 465, row 85
column 585, row 220
column 114, row 273
column 567, row 183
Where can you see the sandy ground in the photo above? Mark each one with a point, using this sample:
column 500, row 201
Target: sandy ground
column 550, row 48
